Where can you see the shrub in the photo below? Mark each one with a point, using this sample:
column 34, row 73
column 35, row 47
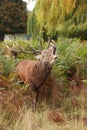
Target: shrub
column 72, row 52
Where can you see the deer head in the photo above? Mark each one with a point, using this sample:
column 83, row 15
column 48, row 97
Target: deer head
column 48, row 56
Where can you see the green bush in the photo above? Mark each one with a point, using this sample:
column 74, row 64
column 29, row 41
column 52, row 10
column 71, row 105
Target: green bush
column 72, row 52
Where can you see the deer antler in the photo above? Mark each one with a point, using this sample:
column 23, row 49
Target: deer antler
column 50, row 42
column 16, row 48
column 28, row 52
column 40, row 43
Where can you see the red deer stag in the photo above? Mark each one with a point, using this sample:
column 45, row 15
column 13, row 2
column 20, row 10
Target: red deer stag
column 35, row 73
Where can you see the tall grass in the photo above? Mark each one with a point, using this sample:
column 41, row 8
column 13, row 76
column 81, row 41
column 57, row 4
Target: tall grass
column 40, row 121
column 15, row 112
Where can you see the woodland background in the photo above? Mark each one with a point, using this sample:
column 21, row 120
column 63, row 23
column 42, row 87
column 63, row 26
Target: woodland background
column 63, row 103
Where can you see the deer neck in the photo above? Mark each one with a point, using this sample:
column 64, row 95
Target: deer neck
column 44, row 68
column 41, row 72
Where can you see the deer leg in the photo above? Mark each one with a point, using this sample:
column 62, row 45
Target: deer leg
column 34, row 100
column 34, row 96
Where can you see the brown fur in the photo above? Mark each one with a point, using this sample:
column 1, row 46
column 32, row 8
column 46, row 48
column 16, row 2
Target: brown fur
column 35, row 73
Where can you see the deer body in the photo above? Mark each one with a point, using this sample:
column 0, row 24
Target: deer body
column 35, row 73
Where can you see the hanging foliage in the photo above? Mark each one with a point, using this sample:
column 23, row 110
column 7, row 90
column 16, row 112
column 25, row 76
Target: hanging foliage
column 56, row 16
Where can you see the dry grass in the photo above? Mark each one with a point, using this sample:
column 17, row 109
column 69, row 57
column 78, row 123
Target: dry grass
column 70, row 116
column 28, row 120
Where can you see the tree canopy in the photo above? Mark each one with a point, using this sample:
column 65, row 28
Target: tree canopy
column 13, row 16
column 65, row 17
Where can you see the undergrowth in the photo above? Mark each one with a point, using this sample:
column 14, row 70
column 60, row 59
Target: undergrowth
column 66, row 89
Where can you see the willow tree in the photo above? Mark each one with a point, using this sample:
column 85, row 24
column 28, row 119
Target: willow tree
column 13, row 17
column 32, row 28
column 61, row 16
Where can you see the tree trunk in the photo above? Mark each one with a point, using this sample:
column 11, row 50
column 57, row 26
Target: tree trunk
column 1, row 36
